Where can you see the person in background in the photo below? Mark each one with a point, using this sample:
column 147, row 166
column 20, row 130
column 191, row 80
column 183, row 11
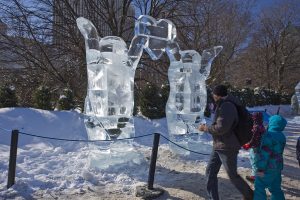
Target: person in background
column 270, row 160
column 298, row 150
column 294, row 105
column 258, row 130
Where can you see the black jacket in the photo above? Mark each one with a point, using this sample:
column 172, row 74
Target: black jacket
column 226, row 118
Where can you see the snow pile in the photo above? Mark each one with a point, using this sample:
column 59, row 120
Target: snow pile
column 59, row 124
column 48, row 167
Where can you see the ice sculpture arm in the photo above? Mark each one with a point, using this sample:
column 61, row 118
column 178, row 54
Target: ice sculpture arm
column 136, row 49
column 173, row 50
column 89, row 32
column 208, row 55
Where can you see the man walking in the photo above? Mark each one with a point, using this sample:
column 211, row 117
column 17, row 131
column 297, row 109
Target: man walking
column 225, row 144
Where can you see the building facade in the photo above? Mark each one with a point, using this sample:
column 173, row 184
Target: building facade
column 110, row 17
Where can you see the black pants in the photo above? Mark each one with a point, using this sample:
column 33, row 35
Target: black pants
column 229, row 160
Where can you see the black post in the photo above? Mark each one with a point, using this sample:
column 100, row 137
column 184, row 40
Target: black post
column 278, row 110
column 12, row 158
column 153, row 161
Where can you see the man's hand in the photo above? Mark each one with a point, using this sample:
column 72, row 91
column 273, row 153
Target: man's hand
column 203, row 127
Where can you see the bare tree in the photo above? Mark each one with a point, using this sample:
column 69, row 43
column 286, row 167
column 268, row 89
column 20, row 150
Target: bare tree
column 275, row 46
column 202, row 24
column 44, row 37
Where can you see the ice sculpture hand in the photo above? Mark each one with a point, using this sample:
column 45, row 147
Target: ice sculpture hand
column 111, row 69
column 159, row 33
column 90, row 34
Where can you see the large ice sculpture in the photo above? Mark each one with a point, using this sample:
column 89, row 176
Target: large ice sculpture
column 188, row 95
column 110, row 69
column 187, row 100
column 187, row 74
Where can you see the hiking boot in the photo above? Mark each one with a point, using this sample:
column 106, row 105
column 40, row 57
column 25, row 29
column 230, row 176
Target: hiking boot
column 250, row 178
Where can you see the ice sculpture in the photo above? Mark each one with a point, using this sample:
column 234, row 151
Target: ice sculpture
column 110, row 69
column 188, row 95
column 297, row 93
column 187, row 99
column 187, row 74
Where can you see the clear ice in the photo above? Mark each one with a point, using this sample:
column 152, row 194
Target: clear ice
column 110, row 100
column 187, row 74
column 111, row 68
column 159, row 33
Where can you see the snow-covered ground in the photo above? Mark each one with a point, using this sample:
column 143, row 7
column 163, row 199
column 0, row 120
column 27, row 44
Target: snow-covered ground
column 49, row 169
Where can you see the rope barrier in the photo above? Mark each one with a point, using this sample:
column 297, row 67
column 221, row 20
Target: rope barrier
column 71, row 140
column 5, row 129
column 90, row 141
column 183, row 147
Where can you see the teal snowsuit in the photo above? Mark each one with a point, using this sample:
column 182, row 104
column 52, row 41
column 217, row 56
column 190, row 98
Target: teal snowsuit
column 270, row 160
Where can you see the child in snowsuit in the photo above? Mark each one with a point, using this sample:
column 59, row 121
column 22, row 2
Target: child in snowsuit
column 270, row 161
column 298, row 150
column 257, row 131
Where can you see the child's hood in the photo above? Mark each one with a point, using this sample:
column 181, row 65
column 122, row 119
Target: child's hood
column 276, row 123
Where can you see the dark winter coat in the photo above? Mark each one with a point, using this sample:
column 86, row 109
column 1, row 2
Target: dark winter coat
column 226, row 118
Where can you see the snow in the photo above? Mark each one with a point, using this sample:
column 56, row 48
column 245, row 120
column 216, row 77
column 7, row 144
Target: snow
column 49, row 168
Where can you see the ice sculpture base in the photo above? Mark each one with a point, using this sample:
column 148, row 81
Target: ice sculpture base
column 109, row 128
column 182, row 124
column 115, row 154
column 194, row 141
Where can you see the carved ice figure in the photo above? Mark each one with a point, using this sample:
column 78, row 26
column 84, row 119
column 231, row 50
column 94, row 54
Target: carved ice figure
column 187, row 100
column 187, row 74
column 110, row 69
column 188, row 96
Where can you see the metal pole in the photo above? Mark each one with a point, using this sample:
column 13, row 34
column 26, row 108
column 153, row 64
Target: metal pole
column 278, row 110
column 12, row 158
column 153, row 161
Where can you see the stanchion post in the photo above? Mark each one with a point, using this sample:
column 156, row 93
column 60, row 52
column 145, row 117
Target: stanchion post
column 147, row 191
column 12, row 158
column 153, row 161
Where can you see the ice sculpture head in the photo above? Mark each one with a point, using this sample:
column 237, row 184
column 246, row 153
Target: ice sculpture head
column 159, row 33
column 190, row 56
column 113, row 44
